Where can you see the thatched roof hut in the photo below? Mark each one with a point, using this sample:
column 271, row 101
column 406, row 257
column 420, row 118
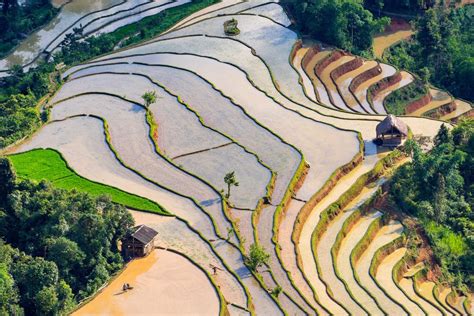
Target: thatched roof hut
column 392, row 131
column 139, row 241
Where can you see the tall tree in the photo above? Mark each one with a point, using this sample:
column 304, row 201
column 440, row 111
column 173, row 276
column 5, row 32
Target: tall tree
column 230, row 180
column 7, row 179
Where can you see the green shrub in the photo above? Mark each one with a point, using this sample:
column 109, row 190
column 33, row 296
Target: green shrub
column 257, row 257
column 230, row 27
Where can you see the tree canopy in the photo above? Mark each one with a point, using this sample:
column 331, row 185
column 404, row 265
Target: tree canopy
column 19, row 20
column 57, row 246
column 442, row 50
column 438, row 188
column 342, row 23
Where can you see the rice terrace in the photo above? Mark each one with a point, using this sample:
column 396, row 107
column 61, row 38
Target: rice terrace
column 236, row 157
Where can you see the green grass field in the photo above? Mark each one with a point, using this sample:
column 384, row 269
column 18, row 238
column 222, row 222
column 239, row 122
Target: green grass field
column 49, row 165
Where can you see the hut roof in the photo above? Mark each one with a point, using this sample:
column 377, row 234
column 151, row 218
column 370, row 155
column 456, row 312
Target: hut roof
column 390, row 122
column 143, row 234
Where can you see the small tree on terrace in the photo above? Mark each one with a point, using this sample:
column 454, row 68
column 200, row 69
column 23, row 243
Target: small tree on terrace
column 230, row 180
column 257, row 257
column 149, row 98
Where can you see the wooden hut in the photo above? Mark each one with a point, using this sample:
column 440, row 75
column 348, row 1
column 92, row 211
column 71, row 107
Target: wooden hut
column 391, row 132
column 138, row 242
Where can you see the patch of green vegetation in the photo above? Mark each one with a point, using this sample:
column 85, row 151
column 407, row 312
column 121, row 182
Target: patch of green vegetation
column 157, row 24
column 396, row 102
column 47, row 164
column 230, row 27
column 343, row 23
column 437, row 187
column 257, row 257
column 57, row 247
column 441, row 51
column 408, row 7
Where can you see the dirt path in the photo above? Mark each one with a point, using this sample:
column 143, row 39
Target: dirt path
column 461, row 108
column 309, row 225
column 163, row 281
column 326, row 264
column 326, row 78
column 442, row 298
column 378, row 101
column 361, row 91
column 174, row 234
column 345, row 81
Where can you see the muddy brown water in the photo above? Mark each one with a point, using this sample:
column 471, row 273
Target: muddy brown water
column 163, row 281
column 385, row 40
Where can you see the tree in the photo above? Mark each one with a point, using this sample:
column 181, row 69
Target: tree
column 8, row 293
column 437, row 187
column 46, row 301
column 70, row 240
column 7, row 4
column 66, row 298
column 443, row 136
column 7, row 179
column 277, row 291
column 32, row 275
column 464, row 73
column 425, row 75
column 66, row 254
column 440, row 200
column 379, row 4
column 257, row 257
column 230, row 180
column 344, row 23
column 149, row 98
column 230, row 233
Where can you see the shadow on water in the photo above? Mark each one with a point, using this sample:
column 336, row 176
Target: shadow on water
column 210, row 202
column 243, row 272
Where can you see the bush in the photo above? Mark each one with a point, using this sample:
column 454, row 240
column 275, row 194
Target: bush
column 230, row 27
column 257, row 257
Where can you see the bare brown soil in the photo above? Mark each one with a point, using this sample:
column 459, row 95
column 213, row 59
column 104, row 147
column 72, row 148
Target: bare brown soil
column 417, row 104
column 367, row 75
column 346, row 67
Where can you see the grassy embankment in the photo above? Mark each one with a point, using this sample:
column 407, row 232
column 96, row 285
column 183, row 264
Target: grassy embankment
column 156, row 24
column 48, row 164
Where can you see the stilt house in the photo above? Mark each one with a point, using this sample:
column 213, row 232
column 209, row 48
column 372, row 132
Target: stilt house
column 139, row 242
